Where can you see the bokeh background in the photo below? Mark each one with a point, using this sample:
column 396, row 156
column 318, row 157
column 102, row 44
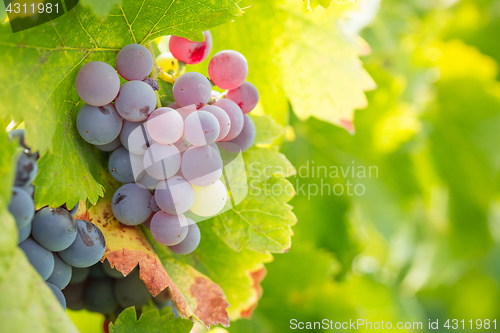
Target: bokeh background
column 423, row 241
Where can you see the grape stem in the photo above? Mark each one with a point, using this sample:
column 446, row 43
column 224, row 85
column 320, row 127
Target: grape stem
column 154, row 74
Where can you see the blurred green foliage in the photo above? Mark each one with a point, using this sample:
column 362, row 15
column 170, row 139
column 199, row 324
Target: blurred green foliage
column 423, row 242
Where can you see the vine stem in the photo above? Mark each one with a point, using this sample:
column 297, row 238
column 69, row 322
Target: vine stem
column 154, row 74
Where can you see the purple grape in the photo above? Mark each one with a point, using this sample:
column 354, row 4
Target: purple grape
column 201, row 166
column 79, row 274
column 115, row 144
column 201, row 128
column 54, row 228
column 58, row 293
column 24, row 233
column 98, row 125
column 244, row 140
column 120, row 166
column 192, row 89
column 134, row 62
column 130, row 204
column 74, row 296
column 228, row 69
column 135, row 137
column 165, row 125
column 135, row 101
column 22, row 207
column 162, row 161
column 131, row 291
column 40, row 258
column 88, row 247
column 191, row 53
column 153, row 204
column 191, row 242
column 26, row 169
column 246, row 96
column 61, row 275
column 174, row 195
column 99, row 296
column 168, row 229
column 222, row 118
column 97, row 83
column 235, row 115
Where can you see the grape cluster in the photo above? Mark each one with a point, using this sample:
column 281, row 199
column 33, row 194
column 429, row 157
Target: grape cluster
column 168, row 157
column 54, row 243
column 103, row 289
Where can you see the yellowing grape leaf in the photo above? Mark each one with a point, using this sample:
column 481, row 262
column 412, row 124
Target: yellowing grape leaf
column 126, row 247
column 199, row 296
column 238, row 273
column 38, row 70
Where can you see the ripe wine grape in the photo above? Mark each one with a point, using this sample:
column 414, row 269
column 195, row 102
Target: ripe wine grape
column 246, row 96
column 235, row 115
column 135, row 101
column 191, row 242
column 201, row 166
column 22, row 207
column 228, row 69
column 192, row 89
column 97, row 83
column 130, row 204
column 165, row 125
column 54, row 228
column 134, row 62
column 168, row 229
column 174, row 196
column 98, row 125
column 191, row 53
column 222, row 118
column 40, row 258
column 201, row 128
column 88, row 247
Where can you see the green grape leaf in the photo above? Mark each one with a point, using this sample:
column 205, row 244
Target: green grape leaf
column 39, row 67
column 315, row 47
column 303, row 57
column 151, row 321
column 27, row 305
column 268, row 129
column 101, row 8
column 262, row 221
column 195, row 294
column 238, row 273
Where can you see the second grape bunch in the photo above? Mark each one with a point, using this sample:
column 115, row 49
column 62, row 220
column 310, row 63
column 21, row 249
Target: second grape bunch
column 168, row 157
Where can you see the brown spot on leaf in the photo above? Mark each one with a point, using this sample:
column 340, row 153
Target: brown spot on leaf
column 211, row 302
